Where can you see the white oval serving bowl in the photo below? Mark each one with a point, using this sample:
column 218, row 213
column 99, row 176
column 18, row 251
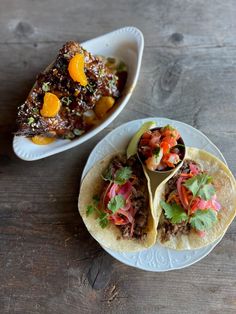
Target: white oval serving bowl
column 126, row 44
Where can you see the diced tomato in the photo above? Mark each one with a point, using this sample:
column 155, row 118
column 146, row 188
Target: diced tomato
column 171, row 159
column 156, row 133
column 154, row 142
column 169, row 131
column 170, row 140
column 144, row 141
column 117, row 220
column 147, row 135
column 165, row 146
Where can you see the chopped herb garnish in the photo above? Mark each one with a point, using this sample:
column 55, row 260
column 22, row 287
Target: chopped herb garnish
column 90, row 210
column 66, row 100
column 174, row 212
column 93, row 208
column 203, row 219
column 96, row 199
column 116, row 203
column 122, row 175
column 200, row 185
column 107, row 175
column 78, row 132
column 35, row 110
column 69, row 136
column 91, row 86
column 30, row 120
column 168, row 127
column 112, row 82
column 121, row 67
column 66, row 55
column 46, row 87
column 103, row 221
column 101, row 72
column 156, row 152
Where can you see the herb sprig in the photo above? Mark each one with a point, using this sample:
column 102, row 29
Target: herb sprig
column 93, row 208
column 200, row 186
column 120, row 177
column 114, row 205
column 200, row 220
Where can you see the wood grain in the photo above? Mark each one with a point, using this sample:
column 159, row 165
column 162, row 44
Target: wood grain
column 49, row 263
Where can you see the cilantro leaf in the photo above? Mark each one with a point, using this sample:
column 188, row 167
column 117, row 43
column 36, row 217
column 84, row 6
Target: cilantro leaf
column 174, row 212
column 93, row 208
column 122, row 175
column 200, row 185
column 167, row 127
column 107, row 175
column 103, row 221
column 78, row 132
column 156, row 152
column 203, row 219
column 96, row 199
column 206, row 192
column 66, row 100
column 90, row 209
column 30, row 120
column 46, row 87
column 116, row 203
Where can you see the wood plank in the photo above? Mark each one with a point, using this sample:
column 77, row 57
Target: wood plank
column 49, row 262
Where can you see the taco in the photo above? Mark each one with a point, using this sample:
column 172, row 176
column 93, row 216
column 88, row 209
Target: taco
column 116, row 206
column 196, row 206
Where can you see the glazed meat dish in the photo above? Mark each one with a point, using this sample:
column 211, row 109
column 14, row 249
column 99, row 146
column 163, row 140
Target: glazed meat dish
column 70, row 96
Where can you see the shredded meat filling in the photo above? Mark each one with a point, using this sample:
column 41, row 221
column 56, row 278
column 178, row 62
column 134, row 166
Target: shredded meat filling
column 166, row 228
column 139, row 198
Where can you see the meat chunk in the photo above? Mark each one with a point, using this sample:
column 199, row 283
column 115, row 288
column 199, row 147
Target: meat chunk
column 75, row 99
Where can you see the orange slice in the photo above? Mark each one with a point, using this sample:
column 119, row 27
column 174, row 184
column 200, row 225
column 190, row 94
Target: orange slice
column 51, row 105
column 103, row 105
column 42, row 140
column 76, row 69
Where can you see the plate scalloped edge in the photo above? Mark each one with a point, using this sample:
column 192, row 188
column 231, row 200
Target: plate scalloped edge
column 157, row 258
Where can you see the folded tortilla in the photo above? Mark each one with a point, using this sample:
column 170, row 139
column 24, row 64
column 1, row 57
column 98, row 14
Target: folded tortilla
column 110, row 237
column 225, row 186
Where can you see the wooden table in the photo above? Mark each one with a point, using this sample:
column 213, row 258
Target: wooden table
column 49, row 263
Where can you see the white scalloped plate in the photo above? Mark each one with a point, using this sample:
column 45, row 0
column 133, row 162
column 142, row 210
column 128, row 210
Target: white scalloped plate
column 126, row 44
column 156, row 258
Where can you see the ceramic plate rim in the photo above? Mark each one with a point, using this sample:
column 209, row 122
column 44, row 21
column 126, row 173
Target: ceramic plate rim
column 142, row 120
column 70, row 144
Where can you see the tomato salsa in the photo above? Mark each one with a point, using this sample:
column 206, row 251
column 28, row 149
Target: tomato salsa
column 161, row 149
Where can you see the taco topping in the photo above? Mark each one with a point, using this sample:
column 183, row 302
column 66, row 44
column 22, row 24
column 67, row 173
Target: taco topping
column 161, row 149
column 190, row 202
column 124, row 200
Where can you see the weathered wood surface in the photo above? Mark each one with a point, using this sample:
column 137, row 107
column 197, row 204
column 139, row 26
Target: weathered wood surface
column 48, row 261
